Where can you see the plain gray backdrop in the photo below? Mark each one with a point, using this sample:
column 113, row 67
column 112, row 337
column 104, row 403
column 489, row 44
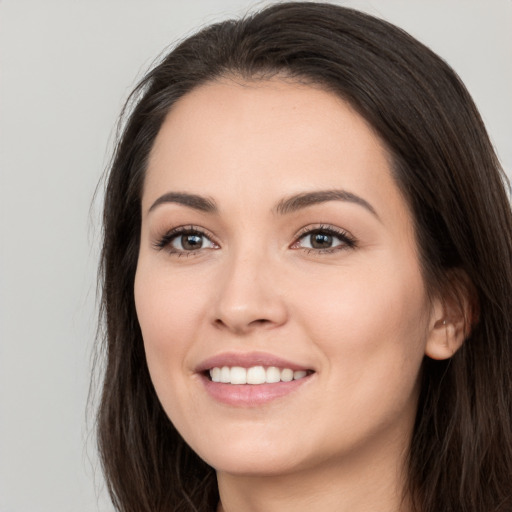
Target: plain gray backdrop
column 65, row 69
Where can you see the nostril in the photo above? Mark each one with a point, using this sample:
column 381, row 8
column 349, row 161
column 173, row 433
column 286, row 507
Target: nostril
column 254, row 323
column 260, row 321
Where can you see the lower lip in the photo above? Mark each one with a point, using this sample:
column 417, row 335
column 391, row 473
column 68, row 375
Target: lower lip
column 251, row 395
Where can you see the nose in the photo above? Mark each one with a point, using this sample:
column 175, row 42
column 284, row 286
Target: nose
column 249, row 296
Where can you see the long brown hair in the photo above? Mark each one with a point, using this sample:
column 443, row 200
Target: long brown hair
column 461, row 453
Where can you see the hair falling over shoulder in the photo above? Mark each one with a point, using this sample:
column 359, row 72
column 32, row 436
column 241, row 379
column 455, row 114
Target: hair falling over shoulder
column 460, row 459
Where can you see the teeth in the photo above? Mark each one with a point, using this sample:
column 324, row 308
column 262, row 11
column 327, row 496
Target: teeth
column 238, row 375
column 215, row 374
column 273, row 375
column 224, row 374
column 255, row 375
column 286, row 375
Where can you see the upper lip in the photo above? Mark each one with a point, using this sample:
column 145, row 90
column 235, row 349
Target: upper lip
column 247, row 360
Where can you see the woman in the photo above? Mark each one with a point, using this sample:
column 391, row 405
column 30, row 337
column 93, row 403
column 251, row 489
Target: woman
column 306, row 278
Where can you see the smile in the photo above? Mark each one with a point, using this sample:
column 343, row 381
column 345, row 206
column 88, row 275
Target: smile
column 248, row 380
column 254, row 375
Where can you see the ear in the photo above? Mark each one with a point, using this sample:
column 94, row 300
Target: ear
column 454, row 313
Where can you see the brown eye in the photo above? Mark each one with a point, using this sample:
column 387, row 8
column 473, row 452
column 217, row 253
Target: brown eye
column 320, row 240
column 190, row 242
column 186, row 242
column 324, row 239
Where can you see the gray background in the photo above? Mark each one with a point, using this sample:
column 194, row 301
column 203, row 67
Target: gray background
column 65, row 69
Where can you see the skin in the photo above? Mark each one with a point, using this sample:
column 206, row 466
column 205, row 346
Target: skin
column 359, row 315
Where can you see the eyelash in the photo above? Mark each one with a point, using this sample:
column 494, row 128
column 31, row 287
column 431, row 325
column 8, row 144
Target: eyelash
column 347, row 240
column 166, row 240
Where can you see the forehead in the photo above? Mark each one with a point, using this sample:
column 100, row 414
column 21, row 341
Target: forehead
column 226, row 112
column 236, row 139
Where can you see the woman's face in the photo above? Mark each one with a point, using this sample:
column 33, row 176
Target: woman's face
column 275, row 244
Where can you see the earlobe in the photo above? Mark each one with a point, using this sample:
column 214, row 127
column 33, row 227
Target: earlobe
column 453, row 316
column 445, row 338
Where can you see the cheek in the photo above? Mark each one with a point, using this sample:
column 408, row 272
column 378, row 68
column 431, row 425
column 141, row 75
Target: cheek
column 370, row 323
column 371, row 329
column 167, row 314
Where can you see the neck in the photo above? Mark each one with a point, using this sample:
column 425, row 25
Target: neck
column 363, row 485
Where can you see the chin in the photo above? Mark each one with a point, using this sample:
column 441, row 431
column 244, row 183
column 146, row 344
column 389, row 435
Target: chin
column 250, row 458
column 260, row 466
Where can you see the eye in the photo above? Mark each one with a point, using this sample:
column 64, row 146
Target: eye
column 185, row 241
column 324, row 239
column 190, row 242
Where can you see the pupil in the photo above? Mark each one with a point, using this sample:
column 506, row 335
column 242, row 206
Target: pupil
column 321, row 241
column 191, row 242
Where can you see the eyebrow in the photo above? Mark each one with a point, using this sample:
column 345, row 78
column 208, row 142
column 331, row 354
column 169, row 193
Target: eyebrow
column 283, row 207
column 299, row 201
column 194, row 201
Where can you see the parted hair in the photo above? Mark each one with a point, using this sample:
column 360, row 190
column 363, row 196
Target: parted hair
column 460, row 457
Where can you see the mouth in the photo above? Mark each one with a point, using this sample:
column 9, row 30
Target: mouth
column 252, row 379
column 254, row 375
